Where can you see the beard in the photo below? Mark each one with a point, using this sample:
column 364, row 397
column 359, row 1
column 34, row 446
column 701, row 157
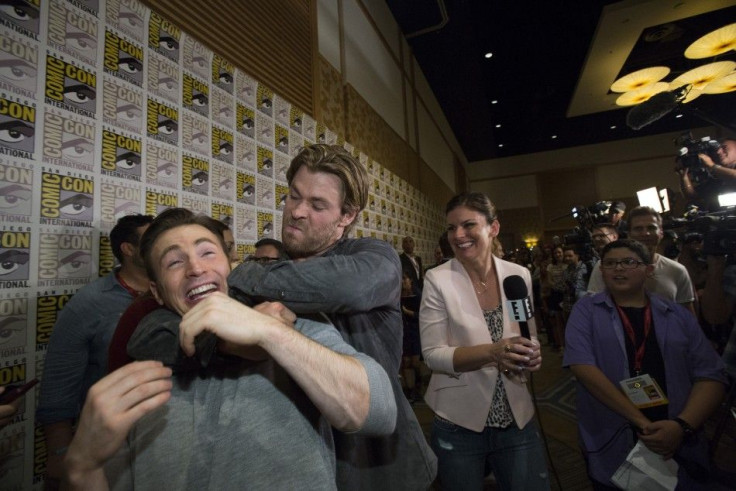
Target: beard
column 310, row 241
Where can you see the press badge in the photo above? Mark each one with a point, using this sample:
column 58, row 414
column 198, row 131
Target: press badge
column 644, row 391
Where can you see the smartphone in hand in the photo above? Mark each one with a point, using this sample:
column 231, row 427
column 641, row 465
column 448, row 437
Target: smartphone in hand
column 13, row 392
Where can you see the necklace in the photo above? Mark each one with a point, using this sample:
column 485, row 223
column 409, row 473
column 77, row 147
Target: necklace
column 483, row 287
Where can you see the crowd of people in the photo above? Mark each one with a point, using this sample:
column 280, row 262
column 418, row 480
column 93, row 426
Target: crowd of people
column 296, row 369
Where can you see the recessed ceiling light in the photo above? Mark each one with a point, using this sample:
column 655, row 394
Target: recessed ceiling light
column 613, row 127
column 488, row 55
column 498, row 126
column 500, row 145
column 554, row 137
column 678, row 115
column 494, row 101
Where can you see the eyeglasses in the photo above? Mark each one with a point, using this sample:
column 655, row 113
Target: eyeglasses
column 600, row 236
column 262, row 259
column 626, row 263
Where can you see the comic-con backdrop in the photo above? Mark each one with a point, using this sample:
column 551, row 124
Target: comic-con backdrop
column 108, row 109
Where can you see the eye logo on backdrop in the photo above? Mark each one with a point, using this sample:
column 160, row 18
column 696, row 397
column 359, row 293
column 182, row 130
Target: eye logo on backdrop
column 127, row 16
column 195, row 134
column 15, row 255
column 70, row 87
column 158, row 201
column 246, row 120
column 162, row 167
column 246, row 188
column 265, row 162
column 68, row 141
column 121, row 155
column 123, row 59
column 195, row 174
column 222, row 180
column 222, row 144
column 23, row 16
column 66, row 200
column 223, row 73
column 163, row 78
column 13, row 323
column 17, row 128
column 117, row 200
column 162, row 122
column 16, row 191
column 195, row 95
column 72, row 33
column 121, row 105
column 222, row 108
column 18, row 66
column 163, row 37
column 196, row 58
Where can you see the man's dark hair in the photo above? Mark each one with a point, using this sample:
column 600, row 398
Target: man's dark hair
column 633, row 245
column 643, row 211
column 266, row 241
column 172, row 218
column 126, row 230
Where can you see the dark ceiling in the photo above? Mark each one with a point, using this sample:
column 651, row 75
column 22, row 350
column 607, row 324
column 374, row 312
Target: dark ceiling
column 539, row 51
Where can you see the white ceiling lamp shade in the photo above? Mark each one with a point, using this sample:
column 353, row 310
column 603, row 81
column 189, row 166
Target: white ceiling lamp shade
column 703, row 75
column 638, row 96
column 640, row 79
column 722, row 85
column 713, row 44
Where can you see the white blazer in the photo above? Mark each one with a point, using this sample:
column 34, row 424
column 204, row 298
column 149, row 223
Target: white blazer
column 450, row 316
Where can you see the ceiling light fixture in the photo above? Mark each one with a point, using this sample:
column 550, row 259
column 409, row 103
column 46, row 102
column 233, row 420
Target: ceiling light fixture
column 498, row 126
column 500, row 145
column 713, row 44
column 722, row 85
column 488, row 55
column 640, row 78
column 703, row 75
column 613, row 127
column 554, row 137
column 494, row 101
column 641, row 95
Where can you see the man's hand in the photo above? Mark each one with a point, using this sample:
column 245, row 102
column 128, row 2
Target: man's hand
column 114, row 404
column 7, row 411
column 278, row 311
column 663, row 437
column 235, row 325
column 706, row 160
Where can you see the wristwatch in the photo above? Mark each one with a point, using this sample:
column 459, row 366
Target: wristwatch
column 688, row 432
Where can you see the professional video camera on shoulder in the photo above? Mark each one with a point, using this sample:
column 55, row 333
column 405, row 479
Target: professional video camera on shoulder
column 718, row 230
column 586, row 216
column 689, row 153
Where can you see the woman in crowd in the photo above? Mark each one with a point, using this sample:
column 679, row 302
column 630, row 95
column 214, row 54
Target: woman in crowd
column 624, row 338
column 483, row 411
column 556, row 279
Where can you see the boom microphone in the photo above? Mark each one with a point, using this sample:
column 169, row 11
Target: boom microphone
column 657, row 107
column 518, row 302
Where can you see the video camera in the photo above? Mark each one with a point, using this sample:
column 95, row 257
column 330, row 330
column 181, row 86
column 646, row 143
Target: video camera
column 587, row 216
column 718, row 230
column 687, row 157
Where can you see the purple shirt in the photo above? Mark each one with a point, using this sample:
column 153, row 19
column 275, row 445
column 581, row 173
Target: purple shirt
column 595, row 336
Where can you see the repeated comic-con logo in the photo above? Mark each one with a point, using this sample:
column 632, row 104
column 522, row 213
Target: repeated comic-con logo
column 68, row 140
column 265, row 162
column 245, row 188
column 195, row 134
column 117, row 200
column 246, row 88
column 123, row 59
column 264, row 129
column 281, row 194
column 245, row 153
column 162, row 167
column 222, row 108
column 21, row 16
column 281, row 139
column 70, row 87
column 17, row 128
column 163, row 78
column 222, row 144
column 281, row 110
column 121, row 105
column 13, row 326
column 107, row 259
column 223, row 73
column 121, row 155
column 64, row 258
column 195, row 95
column 158, row 201
column 295, row 119
column 264, row 192
column 196, row 57
column 16, row 191
column 244, row 250
column 222, row 212
column 162, row 122
column 246, row 223
column 127, row 16
column 92, row 7
column 197, row 204
column 195, row 174
column 223, row 180
column 265, row 224
column 264, row 100
column 15, row 252
column 163, row 37
column 246, row 120
column 48, row 307
column 282, row 166
column 18, row 66
column 66, row 200
column 72, row 33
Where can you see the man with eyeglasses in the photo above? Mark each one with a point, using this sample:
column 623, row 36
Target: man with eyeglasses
column 269, row 251
column 669, row 278
column 644, row 371
column 602, row 234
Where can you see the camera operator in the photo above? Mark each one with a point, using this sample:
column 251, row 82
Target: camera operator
column 717, row 303
column 723, row 173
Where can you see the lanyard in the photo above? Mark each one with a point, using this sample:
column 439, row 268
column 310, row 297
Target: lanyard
column 639, row 356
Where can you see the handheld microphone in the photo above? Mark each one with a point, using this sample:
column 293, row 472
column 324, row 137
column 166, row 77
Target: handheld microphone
column 518, row 302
